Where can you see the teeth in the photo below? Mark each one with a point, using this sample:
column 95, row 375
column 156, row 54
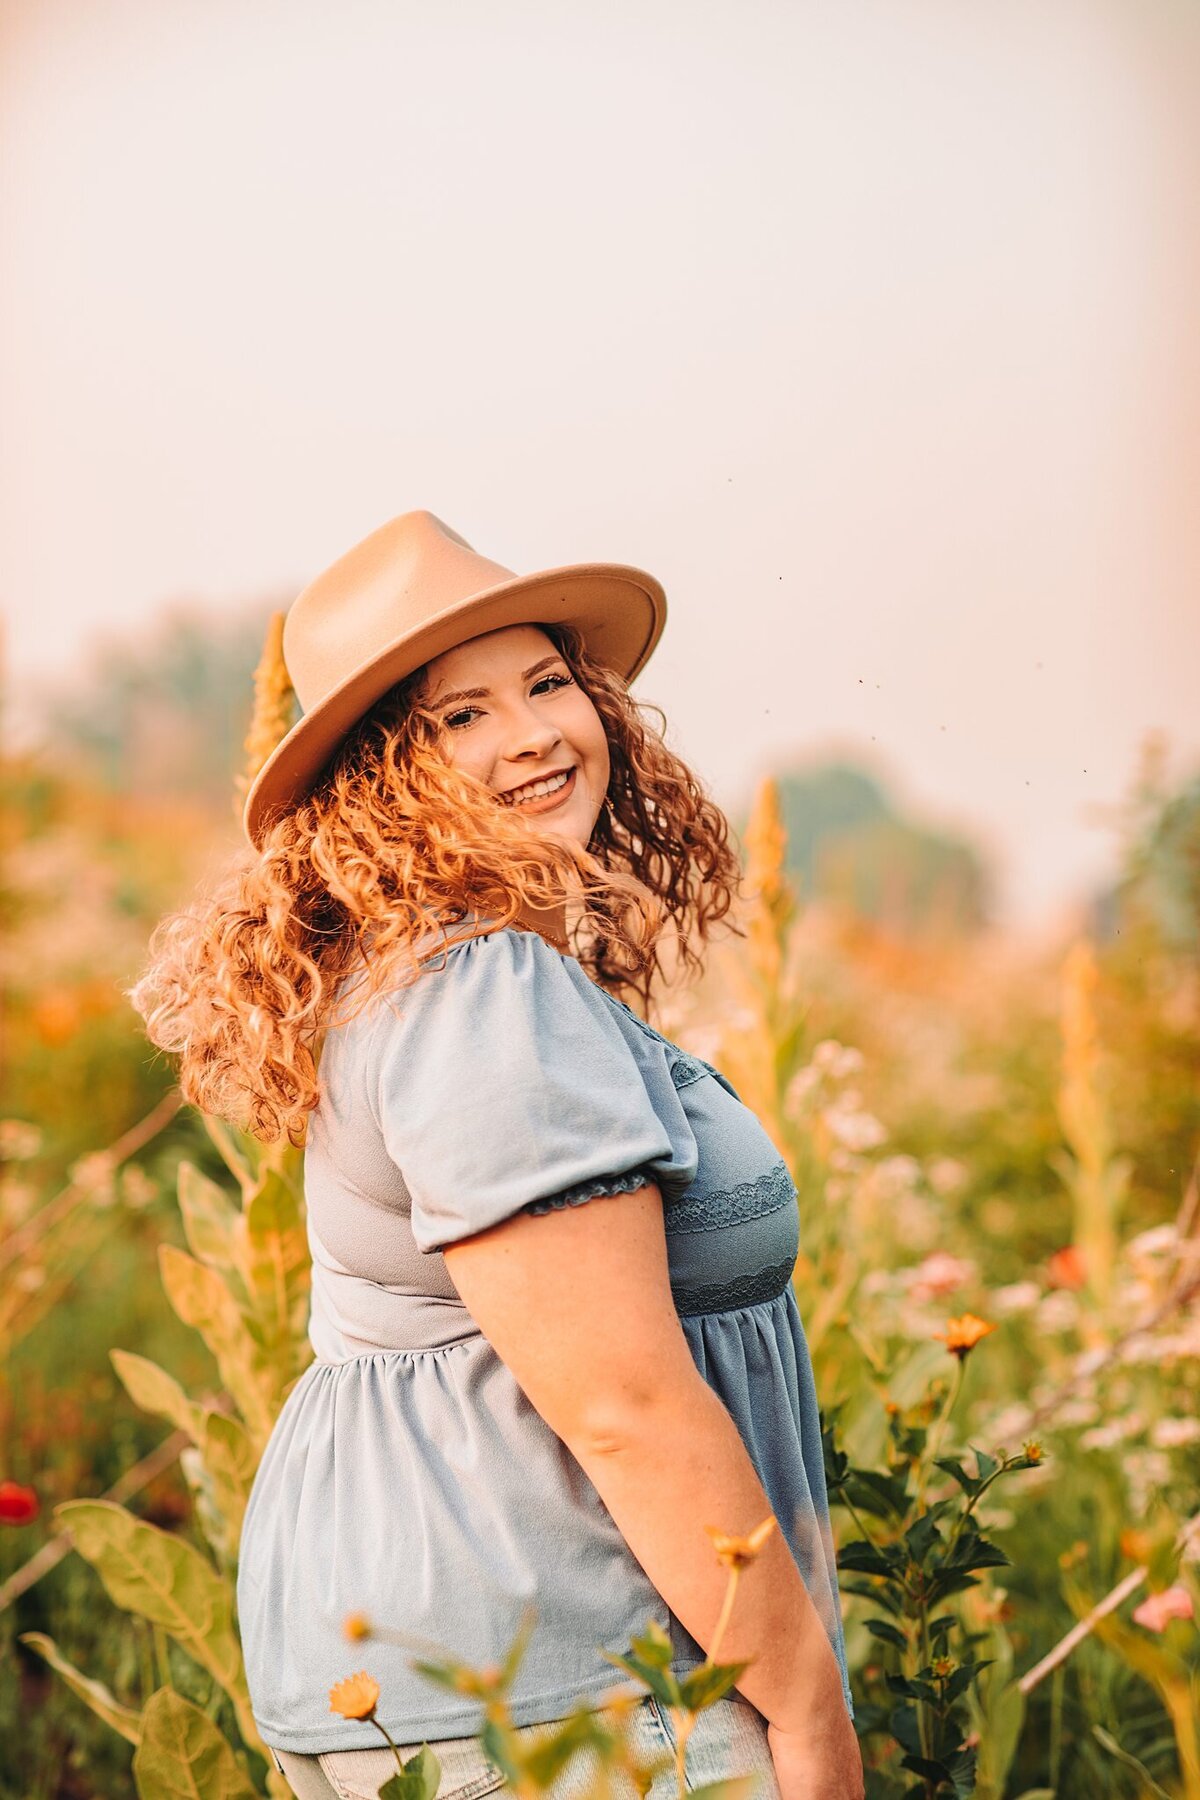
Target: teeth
column 536, row 789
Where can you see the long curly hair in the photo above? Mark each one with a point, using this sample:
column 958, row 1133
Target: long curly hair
column 373, row 869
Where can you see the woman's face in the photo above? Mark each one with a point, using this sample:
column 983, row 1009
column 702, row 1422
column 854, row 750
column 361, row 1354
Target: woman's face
column 515, row 718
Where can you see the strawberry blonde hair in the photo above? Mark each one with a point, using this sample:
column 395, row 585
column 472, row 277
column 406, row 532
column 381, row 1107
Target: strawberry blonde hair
column 393, row 843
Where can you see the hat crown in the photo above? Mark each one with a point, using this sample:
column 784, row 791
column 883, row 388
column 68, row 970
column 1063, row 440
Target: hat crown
column 395, row 581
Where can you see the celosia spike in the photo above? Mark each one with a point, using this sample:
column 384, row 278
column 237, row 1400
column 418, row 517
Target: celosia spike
column 274, row 701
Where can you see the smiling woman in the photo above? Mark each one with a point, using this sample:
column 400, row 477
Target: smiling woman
column 471, row 844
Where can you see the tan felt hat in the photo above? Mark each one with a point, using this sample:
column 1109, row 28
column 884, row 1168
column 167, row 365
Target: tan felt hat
column 411, row 590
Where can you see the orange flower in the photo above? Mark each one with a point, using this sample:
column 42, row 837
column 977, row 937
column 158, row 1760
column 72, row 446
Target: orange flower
column 963, row 1334
column 736, row 1552
column 356, row 1626
column 1032, row 1449
column 356, row 1697
column 1066, row 1268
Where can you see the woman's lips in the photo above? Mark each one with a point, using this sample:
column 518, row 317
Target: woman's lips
column 547, row 802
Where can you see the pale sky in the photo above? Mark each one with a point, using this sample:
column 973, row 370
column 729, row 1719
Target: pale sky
column 869, row 329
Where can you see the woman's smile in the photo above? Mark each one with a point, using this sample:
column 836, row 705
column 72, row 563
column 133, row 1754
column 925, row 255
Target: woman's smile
column 542, row 795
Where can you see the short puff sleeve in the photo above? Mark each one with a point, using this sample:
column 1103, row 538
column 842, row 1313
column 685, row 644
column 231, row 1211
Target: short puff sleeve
column 505, row 1083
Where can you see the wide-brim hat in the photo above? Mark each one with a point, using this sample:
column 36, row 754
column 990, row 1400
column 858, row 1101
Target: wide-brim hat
column 411, row 590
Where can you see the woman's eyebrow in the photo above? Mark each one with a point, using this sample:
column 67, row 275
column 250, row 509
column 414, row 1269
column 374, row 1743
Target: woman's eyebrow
column 484, row 693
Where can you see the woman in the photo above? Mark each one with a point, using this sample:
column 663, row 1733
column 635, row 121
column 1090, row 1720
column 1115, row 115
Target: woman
column 554, row 1326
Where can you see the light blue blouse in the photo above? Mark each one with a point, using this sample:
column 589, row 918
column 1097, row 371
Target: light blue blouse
column 407, row 1476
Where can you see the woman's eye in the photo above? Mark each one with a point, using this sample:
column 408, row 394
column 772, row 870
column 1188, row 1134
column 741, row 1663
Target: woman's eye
column 460, row 717
column 556, row 680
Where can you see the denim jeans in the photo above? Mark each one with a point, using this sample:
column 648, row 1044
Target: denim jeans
column 728, row 1738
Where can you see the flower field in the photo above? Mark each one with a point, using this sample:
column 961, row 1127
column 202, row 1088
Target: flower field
column 995, row 1149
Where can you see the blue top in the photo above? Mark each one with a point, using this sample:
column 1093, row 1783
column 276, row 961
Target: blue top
column 407, row 1476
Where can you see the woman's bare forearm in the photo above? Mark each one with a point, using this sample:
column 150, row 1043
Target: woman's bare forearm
column 665, row 1469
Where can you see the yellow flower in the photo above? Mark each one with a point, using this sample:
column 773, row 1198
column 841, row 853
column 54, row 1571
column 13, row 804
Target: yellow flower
column 356, row 1697
column 1032, row 1449
column 356, row 1626
column 963, row 1334
column 943, row 1666
column 737, row 1552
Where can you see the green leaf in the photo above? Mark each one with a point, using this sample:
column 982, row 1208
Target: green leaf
column 496, row 1741
column 863, row 1556
column 968, row 1483
column 710, row 1682
column 545, row 1760
column 209, row 1218
column 230, row 1460
column 183, row 1756
column 93, row 1693
column 156, row 1392
column 884, row 1495
column 880, row 1628
column 654, row 1646
column 202, row 1299
column 736, row 1787
column 516, row 1650
column 147, row 1571
column 272, row 1254
column 661, row 1682
column 419, row 1779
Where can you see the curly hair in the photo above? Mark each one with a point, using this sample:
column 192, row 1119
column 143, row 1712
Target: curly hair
column 395, row 843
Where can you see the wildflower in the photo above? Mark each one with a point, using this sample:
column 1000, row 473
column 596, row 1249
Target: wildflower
column 1135, row 1544
column 356, row 1697
column 1067, row 1268
column 18, row 1505
column 1032, row 1449
column 737, row 1552
column 1169, row 1434
column 961, row 1335
column 1172, row 1603
column 356, row 1626
column 19, row 1140
column 1017, row 1297
column 940, row 1273
column 943, row 1666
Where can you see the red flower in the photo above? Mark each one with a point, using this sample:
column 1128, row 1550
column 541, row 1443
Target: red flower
column 18, row 1505
column 1066, row 1268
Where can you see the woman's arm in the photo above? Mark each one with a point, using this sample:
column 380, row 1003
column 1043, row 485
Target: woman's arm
column 578, row 1303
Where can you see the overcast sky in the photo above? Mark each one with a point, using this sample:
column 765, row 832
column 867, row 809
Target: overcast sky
column 870, row 329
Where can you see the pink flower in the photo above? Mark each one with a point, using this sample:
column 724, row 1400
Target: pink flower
column 1172, row 1603
column 940, row 1273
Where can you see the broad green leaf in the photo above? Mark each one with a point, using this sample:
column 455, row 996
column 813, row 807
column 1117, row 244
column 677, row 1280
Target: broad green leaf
column 183, row 1756
column 209, row 1217
column 272, row 1254
column 230, row 1460
column 93, row 1693
column 202, row 1300
column 148, row 1571
column 156, row 1392
column 419, row 1780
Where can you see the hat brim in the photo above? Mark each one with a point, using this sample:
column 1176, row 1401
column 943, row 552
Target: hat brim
column 619, row 610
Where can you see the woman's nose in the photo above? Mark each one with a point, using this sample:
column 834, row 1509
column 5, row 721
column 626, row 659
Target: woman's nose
column 531, row 736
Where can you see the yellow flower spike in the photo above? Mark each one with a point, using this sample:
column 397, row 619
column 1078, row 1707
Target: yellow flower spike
column 356, row 1626
column 738, row 1552
column 274, row 704
column 962, row 1334
column 356, row 1697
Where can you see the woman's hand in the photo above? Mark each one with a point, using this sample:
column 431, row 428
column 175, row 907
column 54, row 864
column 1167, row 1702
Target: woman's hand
column 818, row 1765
